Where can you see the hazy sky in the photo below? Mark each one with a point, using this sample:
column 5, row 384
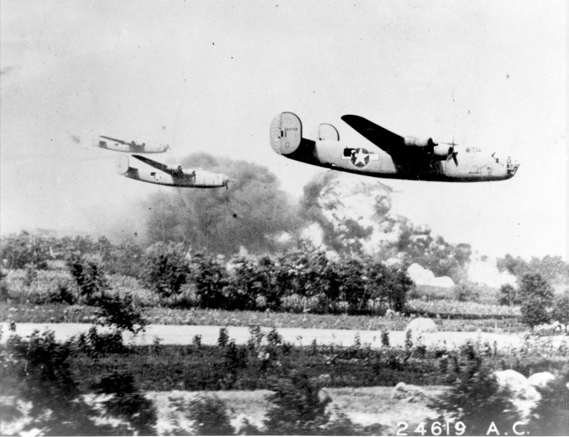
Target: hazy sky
column 211, row 75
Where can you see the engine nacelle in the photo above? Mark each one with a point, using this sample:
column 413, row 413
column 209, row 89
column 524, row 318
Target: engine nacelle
column 419, row 141
column 204, row 178
column 442, row 150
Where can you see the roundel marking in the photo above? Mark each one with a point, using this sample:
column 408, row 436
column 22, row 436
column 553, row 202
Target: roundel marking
column 360, row 158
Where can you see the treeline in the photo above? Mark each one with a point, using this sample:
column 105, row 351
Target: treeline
column 300, row 279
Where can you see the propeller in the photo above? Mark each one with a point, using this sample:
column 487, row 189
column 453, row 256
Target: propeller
column 226, row 182
column 451, row 153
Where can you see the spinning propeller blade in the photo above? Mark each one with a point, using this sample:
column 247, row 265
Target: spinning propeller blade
column 451, row 153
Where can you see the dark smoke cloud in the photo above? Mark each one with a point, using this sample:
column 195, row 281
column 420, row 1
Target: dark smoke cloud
column 354, row 215
column 252, row 213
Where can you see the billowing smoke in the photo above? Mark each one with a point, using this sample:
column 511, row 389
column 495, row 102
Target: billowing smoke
column 484, row 270
column 349, row 214
column 253, row 213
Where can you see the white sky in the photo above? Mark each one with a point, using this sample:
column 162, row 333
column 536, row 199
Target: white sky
column 211, row 75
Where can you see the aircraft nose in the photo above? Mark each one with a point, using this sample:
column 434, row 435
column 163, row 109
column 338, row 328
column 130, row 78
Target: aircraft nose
column 512, row 166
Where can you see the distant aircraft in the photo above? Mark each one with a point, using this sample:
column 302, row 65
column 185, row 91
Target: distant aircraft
column 172, row 176
column 390, row 155
column 132, row 147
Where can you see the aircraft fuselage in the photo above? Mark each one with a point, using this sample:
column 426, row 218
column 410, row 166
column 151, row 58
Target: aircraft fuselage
column 178, row 178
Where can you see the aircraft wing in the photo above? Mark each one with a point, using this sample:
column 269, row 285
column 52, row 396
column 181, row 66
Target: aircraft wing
column 381, row 137
column 157, row 165
column 114, row 139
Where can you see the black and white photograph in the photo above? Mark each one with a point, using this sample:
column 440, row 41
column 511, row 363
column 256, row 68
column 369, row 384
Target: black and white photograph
column 284, row 217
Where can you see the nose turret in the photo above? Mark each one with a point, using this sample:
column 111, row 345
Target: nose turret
column 511, row 166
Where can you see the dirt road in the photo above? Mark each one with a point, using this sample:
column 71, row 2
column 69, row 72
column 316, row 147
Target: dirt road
column 184, row 334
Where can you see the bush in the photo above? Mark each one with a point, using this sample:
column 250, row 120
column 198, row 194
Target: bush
column 297, row 408
column 475, row 398
column 38, row 370
column 208, row 414
column 127, row 403
column 550, row 417
column 94, row 343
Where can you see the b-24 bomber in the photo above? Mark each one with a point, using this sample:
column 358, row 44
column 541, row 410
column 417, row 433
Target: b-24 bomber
column 389, row 155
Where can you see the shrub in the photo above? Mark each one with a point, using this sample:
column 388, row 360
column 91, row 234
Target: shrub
column 549, row 417
column 94, row 343
column 208, row 414
column 297, row 408
column 127, row 403
column 38, row 370
column 475, row 398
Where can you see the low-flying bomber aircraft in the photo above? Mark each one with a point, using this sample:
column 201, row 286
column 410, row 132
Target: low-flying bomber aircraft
column 171, row 176
column 391, row 156
column 132, row 147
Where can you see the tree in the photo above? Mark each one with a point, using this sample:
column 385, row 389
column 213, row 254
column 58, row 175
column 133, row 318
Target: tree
column 89, row 277
column 537, row 296
column 535, row 286
column 21, row 250
column 561, row 309
column 508, row 295
column 465, row 292
column 210, row 278
column 167, row 268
